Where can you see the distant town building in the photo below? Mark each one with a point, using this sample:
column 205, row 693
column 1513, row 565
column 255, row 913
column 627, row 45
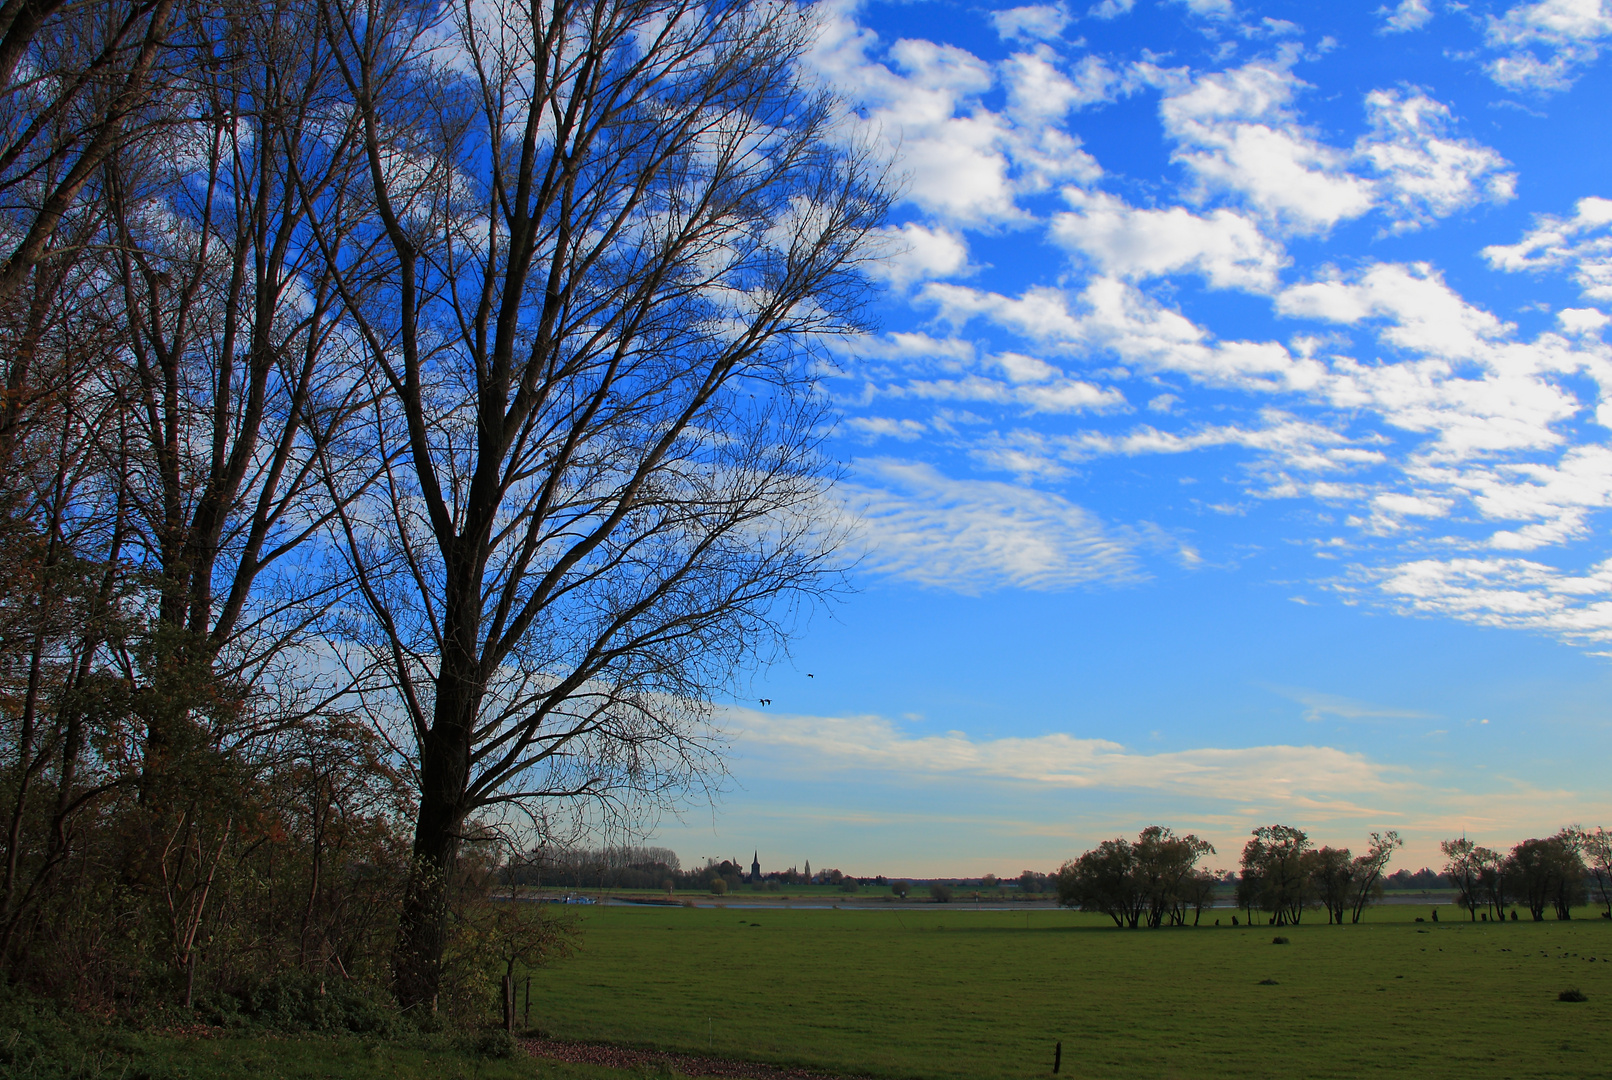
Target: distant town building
column 755, row 868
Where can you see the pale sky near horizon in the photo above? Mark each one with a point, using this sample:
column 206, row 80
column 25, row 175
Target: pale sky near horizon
column 1234, row 448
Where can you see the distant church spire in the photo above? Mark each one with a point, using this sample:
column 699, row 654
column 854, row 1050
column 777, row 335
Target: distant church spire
column 755, row 867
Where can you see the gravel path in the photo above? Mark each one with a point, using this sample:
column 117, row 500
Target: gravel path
column 622, row 1057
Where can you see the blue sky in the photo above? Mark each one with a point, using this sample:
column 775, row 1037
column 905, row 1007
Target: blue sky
column 1234, row 448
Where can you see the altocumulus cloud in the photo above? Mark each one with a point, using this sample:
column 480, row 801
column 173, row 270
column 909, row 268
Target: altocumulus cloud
column 972, row 536
column 1299, row 776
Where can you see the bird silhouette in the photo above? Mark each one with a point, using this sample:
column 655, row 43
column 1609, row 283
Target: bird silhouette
column 766, row 701
column 809, row 675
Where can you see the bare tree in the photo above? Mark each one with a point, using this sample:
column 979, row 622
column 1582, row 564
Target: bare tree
column 234, row 371
column 1494, row 879
column 76, row 82
column 1368, row 871
column 1332, row 872
column 1277, row 859
column 1461, row 867
column 606, row 237
column 1597, row 848
column 62, row 534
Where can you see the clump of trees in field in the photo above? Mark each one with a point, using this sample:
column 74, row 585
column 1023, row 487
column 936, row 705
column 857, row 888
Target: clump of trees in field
column 1283, row 873
column 1153, row 881
column 1156, row 880
column 407, row 424
column 1555, row 873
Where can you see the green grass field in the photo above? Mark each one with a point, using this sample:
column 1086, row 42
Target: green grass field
column 949, row 992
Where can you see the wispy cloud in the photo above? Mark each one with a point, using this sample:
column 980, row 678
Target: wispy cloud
column 1319, row 705
column 1341, row 782
column 973, row 536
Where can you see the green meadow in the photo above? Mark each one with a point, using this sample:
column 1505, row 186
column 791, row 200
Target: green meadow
column 950, row 992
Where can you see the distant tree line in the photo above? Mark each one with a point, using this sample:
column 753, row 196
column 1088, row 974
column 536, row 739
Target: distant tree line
column 631, row 867
column 1155, row 880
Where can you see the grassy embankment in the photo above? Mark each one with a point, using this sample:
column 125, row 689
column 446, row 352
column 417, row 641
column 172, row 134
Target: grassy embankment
column 951, row 992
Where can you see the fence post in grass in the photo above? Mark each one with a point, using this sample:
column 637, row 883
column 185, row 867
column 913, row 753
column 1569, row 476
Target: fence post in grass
column 1057, row 1056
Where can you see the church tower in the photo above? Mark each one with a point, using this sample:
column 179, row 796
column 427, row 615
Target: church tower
column 755, row 868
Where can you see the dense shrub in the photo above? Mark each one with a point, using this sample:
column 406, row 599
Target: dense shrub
column 300, row 1001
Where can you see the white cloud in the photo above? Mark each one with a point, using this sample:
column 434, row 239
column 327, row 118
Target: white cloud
column 1235, row 131
column 1292, row 443
column 1486, row 410
column 963, row 162
column 1517, row 594
column 1409, row 15
column 1554, row 243
column 1294, row 775
column 1055, row 395
column 1392, row 502
column 1040, row 92
column 1043, row 22
column 1122, row 241
column 1113, row 316
column 1239, row 134
column 972, row 536
column 1213, row 8
column 914, row 252
column 1112, row 9
column 925, row 104
column 1466, row 380
column 1545, row 43
column 871, row 428
column 908, row 347
column 1582, row 320
column 1425, row 173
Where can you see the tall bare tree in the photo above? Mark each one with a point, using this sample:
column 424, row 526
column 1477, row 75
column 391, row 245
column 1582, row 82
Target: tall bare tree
column 607, row 234
column 234, row 370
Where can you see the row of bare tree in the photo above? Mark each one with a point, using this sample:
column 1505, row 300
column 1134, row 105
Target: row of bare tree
column 1156, row 879
column 408, row 424
column 1553, row 873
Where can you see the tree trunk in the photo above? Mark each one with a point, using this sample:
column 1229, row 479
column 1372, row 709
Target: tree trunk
column 422, row 933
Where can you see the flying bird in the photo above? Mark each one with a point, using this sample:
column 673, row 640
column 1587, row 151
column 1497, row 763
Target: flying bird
column 766, row 701
column 809, row 675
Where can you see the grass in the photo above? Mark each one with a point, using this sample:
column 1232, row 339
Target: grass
column 36, row 1042
column 953, row 992
column 959, row 993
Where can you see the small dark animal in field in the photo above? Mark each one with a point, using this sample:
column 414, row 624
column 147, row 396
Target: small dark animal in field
column 1435, row 914
column 1513, row 914
column 1571, row 995
column 1278, row 940
column 1217, row 922
column 1268, row 982
column 1234, row 920
column 1420, row 919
